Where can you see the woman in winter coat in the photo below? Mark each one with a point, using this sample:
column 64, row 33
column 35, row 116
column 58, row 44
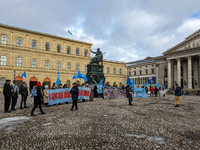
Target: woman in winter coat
column 45, row 96
column 95, row 91
column 37, row 100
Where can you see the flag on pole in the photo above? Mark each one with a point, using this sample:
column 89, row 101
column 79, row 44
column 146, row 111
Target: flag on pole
column 128, row 81
column 163, row 87
column 23, row 75
column 132, row 84
column 100, row 83
column 85, row 78
column 58, row 79
column 146, row 84
column 157, row 84
column 70, row 32
column 152, row 82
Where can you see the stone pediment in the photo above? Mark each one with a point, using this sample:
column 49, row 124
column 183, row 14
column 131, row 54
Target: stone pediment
column 191, row 42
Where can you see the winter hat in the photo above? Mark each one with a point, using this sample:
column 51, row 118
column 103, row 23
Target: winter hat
column 38, row 84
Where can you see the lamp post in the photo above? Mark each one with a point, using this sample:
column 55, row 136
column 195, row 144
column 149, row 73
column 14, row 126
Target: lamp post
column 138, row 81
column 14, row 72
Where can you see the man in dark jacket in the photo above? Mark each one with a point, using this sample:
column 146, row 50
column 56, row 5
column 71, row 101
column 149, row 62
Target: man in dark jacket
column 156, row 91
column 7, row 95
column 130, row 91
column 37, row 100
column 74, row 92
column 177, row 93
column 24, row 92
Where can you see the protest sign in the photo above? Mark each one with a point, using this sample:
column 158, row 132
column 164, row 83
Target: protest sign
column 140, row 92
column 63, row 95
column 114, row 93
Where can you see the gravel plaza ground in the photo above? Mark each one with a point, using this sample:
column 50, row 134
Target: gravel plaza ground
column 151, row 123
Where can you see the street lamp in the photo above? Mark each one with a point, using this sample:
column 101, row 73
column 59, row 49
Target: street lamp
column 14, row 72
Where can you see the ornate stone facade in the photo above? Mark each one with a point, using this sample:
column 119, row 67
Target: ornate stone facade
column 41, row 55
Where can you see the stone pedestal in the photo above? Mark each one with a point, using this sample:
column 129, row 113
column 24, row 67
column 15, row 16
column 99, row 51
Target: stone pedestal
column 95, row 73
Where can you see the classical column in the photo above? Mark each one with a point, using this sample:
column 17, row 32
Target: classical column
column 179, row 71
column 199, row 72
column 169, row 74
column 189, row 72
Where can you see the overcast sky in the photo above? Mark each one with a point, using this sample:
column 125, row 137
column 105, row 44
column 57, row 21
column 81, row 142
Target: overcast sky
column 127, row 30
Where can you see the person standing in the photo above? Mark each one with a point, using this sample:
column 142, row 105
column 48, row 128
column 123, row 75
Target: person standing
column 91, row 93
column 177, row 93
column 152, row 90
column 37, row 100
column 83, row 85
column 130, row 92
column 156, row 91
column 7, row 96
column 15, row 93
column 146, row 90
column 95, row 91
column 74, row 92
column 45, row 96
column 24, row 93
column 54, row 86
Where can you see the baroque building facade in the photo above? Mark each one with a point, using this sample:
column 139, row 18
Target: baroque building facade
column 42, row 55
column 179, row 64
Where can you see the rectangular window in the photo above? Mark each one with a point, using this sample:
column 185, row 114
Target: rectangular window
column 146, row 71
column 140, row 72
column 129, row 73
column 135, row 73
column 152, row 71
column 152, row 65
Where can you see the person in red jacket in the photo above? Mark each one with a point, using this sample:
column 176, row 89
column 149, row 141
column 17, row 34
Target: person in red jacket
column 152, row 90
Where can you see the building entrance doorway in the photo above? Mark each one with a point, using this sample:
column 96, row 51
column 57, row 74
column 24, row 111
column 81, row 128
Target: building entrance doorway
column 33, row 82
column 19, row 81
column 47, row 81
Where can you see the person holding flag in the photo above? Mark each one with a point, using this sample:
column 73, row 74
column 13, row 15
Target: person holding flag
column 130, row 92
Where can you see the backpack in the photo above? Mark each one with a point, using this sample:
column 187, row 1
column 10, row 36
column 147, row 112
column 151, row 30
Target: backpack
column 34, row 92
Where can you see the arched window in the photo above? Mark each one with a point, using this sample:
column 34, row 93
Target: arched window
column 47, row 64
column 58, row 65
column 47, row 46
column 77, row 67
column 114, row 70
column 3, row 60
column 3, row 39
column 19, row 42
column 77, row 82
column 68, row 66
column 2, row 81
column 114, row 83
column 68, row 50
column 19, row 62
column 69, row 83
column 108, row 70
column 120, row 84
column 34, row 44
column 120, row 71
column 58, row 48
column 33, row 63
column 85, row 68
column 86, row 53
column 77, row 51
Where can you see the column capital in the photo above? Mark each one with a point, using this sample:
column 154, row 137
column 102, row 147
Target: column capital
column 178, row 59
column 189, row 57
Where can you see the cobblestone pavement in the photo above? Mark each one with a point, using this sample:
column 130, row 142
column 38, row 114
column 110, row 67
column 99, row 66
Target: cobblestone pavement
column 151, row 123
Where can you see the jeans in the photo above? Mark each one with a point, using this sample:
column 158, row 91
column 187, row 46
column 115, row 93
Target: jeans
column 35, row 106
column 23, row 100
column 74, row 104
column 14, row 102
column 151, row 94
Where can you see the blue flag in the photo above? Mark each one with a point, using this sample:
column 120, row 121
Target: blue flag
column 58, row 79
column 85, row 78
column 152, row 82
column 79, row 75
column 163, row 87
column 132, row 84
column 128, row 81
column 146, row 84
column 23, row 75
column 69, row 32
column 157, row 84
column 75, row 76
column 100, row 83
column 140, row 92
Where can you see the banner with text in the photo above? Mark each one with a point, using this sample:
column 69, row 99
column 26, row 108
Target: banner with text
column 114, row 93
column 63, row 95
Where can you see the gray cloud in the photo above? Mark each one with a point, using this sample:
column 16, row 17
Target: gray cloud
column 126, row 30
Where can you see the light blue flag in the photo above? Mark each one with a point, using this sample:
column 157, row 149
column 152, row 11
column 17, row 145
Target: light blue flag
column 58, row 79
column 79, row 75
column 157, row 84
column 132, row 84
column 163, row 87
column 75, row 76
column 128, row 81
column 85, row 78
column 23, row 75
column 140, row 92
column 100, row 83
column 146, row 84
column 152, row 82
column 69, row 32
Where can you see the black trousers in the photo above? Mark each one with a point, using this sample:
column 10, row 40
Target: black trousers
column 74, row 104
column 14, row 102
column 7, row 103
column 35, row 106
column 130, row 100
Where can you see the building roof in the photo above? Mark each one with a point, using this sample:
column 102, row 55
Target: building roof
column 42, row 34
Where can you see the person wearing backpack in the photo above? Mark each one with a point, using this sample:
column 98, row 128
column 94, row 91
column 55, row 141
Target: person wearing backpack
column 177, row 93
column 37, row 99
